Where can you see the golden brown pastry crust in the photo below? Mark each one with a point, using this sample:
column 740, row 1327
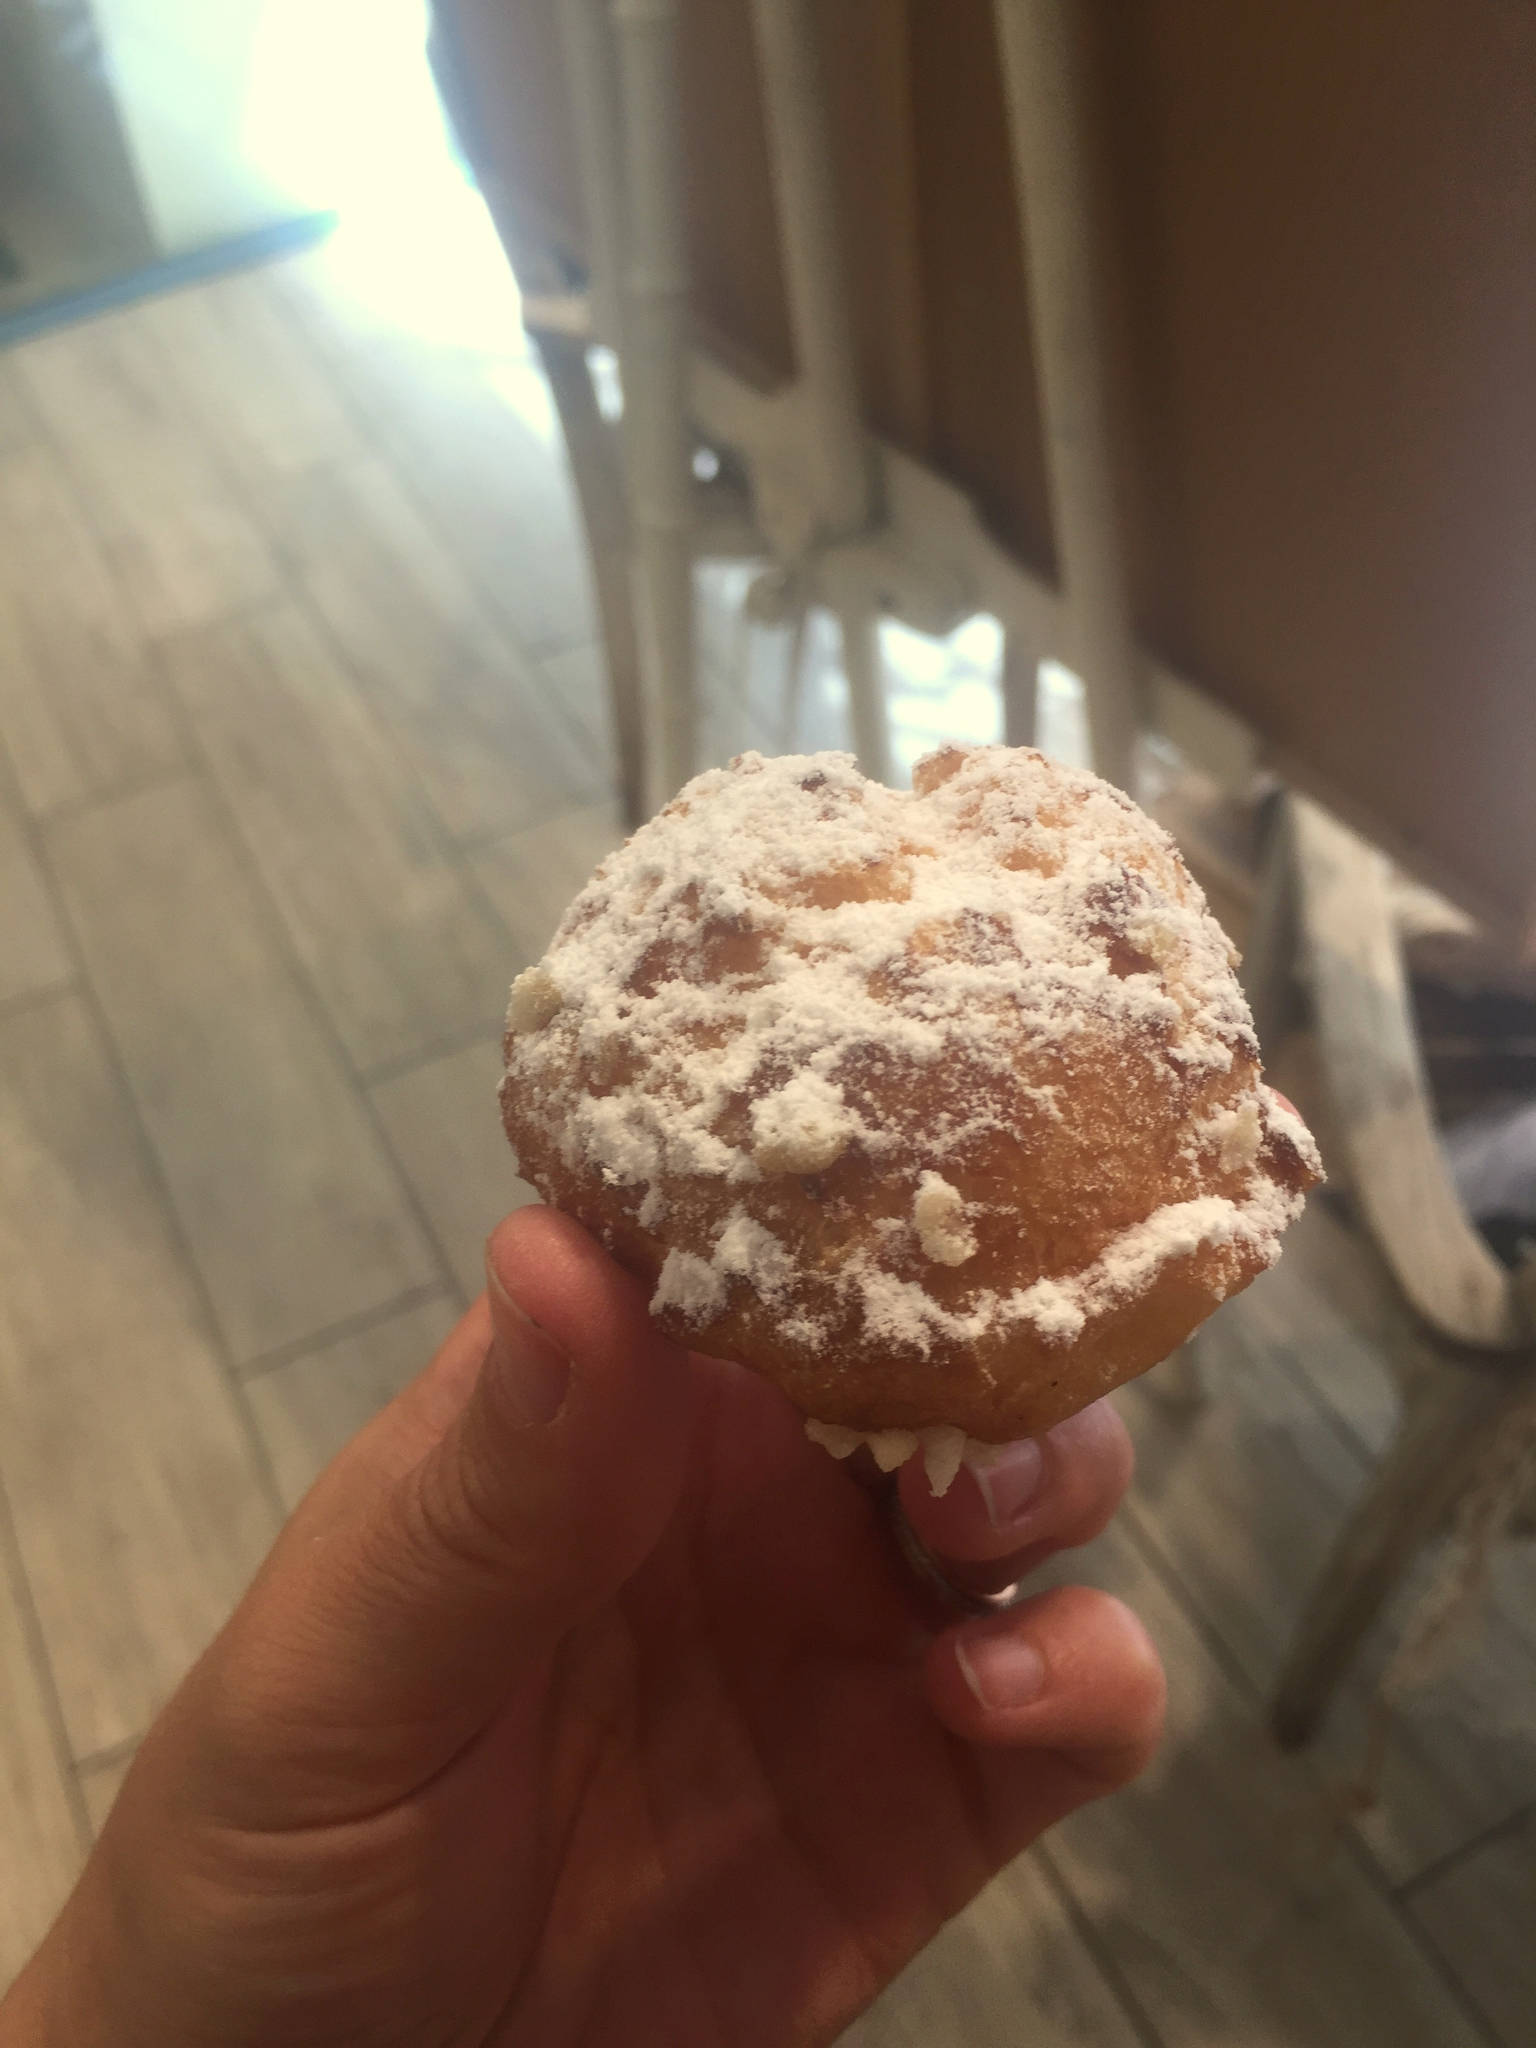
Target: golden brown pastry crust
column 940, row 1108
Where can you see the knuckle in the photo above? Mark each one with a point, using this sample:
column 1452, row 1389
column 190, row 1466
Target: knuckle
column 448, row 1519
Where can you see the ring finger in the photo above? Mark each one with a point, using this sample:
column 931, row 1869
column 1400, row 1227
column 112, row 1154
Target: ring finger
column 1011, row 1509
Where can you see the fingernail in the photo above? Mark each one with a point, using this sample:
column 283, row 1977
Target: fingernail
column 1010, row 1479
column 535, row 1372
column 1001, row 1670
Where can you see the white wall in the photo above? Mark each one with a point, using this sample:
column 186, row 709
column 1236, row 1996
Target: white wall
column 63, row 128
column 180, row 71
column 240, row 112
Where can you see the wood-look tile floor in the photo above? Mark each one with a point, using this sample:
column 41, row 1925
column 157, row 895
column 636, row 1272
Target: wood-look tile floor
column 301, row 751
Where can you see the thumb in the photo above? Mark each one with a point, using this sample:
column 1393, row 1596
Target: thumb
column 385, row 1633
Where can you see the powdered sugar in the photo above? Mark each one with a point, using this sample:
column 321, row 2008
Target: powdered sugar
column 799, row 981
column 747, row 1250
column 801, row 1127
column 902, row 1313
column 1236, row 1133
column 784, row 926
column 938, row 1215
column 534, row 1001
column 695, row 1287
column 1285, row 1123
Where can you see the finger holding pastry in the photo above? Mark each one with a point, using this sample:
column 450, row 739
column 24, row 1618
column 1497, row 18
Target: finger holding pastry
column 1015, row 1505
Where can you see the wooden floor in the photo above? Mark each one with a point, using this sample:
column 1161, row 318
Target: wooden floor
column 303, row 750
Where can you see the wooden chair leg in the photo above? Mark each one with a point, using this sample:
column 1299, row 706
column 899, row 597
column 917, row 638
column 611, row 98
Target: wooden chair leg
column 1180, row 1380
column 1270, row 960
column 1447, row 1425
column 1021, row 683
column 796, row 655
column 860, row 627
column 654, row 355
column 597, row 469
column 1047, row 71
column 1368, row 1045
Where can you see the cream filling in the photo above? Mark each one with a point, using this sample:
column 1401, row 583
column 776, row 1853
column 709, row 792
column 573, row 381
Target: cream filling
column 944, row 1448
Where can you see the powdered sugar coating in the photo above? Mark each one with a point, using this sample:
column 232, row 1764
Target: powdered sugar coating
column 803, row 1030
column 938, row 1216
column 802, row 1127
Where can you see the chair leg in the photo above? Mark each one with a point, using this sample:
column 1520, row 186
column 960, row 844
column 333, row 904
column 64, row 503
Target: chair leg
column 1180, row 1380
column 860, row 627
column 1448, row 1423
column 1270, row 958
column 658, row 447
column 592, row 447
column 1047, row 73
column 1021, row 682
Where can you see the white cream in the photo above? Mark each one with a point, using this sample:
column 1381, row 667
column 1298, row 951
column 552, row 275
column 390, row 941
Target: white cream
column 944, row 1448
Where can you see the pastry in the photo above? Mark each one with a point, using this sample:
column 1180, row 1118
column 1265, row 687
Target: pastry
column 942, row 1109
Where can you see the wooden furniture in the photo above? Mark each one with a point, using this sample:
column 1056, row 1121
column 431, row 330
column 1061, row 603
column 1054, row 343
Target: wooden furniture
column 1318, row 229
column 1198, row 345
column 1325, row 942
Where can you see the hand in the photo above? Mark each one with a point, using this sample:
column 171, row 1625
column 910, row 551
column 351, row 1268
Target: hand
column 583, row 1701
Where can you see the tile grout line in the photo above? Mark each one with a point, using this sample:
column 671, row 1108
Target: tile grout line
column 13, row 1569
column 386, row 1071
column 207, row 1313
column 475, row 844
column 291, row 587
column 1134, row 1520
column 1404, row 1734
column 1492, row 2035
column 263, row 1469
column 335, row 1333
column 366, row 421
column 1082, row 1923
column 82, row 806
column 458, row 850
column 276, row 929
column 456, row 856
column 1452, row 1859
column 198, row 767
column 84, row 499
column 575, row 726
column 39, row 998
column 1359, row 1447
column 1418, row 1936
column 309, row 994
column 104, row 1759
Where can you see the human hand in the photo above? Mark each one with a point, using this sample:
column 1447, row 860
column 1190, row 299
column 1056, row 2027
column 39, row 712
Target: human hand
column 584, row 1701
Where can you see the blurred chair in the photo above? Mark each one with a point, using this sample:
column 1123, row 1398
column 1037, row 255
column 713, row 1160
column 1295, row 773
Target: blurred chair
column 673, row 180
column 1197, row 344
column 1324, row 949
